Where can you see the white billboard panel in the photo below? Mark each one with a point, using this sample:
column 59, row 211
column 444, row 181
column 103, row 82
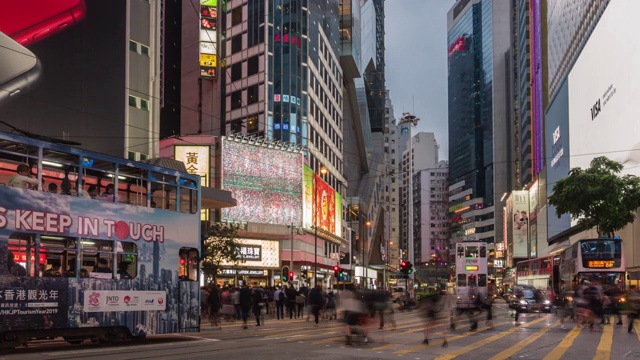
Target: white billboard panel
column 520, row 215
column 604, row 91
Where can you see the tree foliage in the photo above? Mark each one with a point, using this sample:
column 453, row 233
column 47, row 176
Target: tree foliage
column 219, row 245
column 598, row 196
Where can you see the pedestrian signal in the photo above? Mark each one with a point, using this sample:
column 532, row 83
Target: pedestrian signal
column 290, row 275
column 285, row 273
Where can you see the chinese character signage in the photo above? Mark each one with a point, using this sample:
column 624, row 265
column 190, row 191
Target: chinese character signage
column 196, row 159
column 251, row 252
column 34, row 303
column 208, row 38
column 600, row 264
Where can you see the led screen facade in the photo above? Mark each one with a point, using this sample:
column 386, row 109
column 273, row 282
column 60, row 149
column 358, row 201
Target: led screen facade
column 328, row 204
column 266, row 182
column 604, row 92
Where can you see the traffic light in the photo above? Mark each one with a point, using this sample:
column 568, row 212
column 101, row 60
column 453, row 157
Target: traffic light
column 290, row 275
column 285, row 273
column 406, row 267
column 336, row 271
column 341, row 274
column 304, row 274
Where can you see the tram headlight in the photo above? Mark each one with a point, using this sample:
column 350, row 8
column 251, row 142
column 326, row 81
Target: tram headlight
column 523, row 302
column 547, row 302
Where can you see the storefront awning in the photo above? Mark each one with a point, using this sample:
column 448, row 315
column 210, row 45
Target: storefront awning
column 213, row 198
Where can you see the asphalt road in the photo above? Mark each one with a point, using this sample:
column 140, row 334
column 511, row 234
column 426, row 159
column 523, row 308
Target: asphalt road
column 537, row 336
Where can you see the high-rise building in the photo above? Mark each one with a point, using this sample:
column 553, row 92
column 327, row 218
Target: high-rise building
column 478, row 38
column 362, row 61
column 392, row 187
column 570, row 25
column 421, row 154
column 529, row 20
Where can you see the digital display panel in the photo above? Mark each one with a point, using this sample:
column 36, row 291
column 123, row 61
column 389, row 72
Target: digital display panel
column 471, row 267
column 208, row 38
column 266, row 182
column 600, row 264
column 328, row 203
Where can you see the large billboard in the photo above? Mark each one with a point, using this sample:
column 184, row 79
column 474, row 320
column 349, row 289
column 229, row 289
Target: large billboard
column 328, row 204
column 266, row 182
column 82, row 48
column 604, row 92
column 520, row 216
column 558, row 154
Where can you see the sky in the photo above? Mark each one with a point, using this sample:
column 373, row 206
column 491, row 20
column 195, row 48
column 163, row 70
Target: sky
column 416, row 63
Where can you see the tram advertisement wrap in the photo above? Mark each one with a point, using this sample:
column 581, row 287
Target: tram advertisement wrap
column 100, row 301
column 153, row 301
column 33, row 303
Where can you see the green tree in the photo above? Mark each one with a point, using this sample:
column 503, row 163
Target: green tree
column 598, row 196
column 219, row 245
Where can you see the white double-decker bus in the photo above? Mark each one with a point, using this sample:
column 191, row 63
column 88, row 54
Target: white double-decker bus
column 471, row 272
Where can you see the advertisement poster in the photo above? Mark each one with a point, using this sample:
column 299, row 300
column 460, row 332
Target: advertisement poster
column 103, row 301
column 30, row 302
column 520, row 214
column 325, row 205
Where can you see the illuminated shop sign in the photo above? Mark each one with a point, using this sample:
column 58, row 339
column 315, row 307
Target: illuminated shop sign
column 196, row 159
column 251, row 252
column 208, row 38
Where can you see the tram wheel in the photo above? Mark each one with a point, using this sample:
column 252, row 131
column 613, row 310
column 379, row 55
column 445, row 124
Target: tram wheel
column 73, row 341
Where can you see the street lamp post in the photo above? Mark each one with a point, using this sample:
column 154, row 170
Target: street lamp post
column 323, row 171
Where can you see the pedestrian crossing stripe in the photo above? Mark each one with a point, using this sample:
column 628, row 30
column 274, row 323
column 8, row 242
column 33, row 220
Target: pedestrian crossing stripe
column 603, row 352
column 451, row 338
column 485, row 341
column 564, row 345
column 509, row 352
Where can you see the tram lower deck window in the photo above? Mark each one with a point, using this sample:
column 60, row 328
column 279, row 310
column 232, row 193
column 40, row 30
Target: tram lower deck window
column 57, row 256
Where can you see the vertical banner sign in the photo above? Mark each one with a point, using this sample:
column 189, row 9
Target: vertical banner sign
column 208, row 38
column 520, row 215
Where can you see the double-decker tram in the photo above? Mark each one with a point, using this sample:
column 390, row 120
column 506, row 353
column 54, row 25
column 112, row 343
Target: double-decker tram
column 94, row 246
column 471, row 272
column 598, row 261
column 542, row 273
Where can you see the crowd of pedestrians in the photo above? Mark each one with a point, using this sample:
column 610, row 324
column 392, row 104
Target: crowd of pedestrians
column 354, row 307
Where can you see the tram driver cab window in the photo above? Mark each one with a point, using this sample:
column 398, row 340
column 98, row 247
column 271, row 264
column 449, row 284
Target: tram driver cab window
column 188, row 264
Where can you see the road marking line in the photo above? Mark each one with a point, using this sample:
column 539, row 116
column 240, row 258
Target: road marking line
column 603, row 352
column 564, row 345
column 452, row 338
column 388, row 346
column 509, row 352
column 483, row 342
column 329, row 340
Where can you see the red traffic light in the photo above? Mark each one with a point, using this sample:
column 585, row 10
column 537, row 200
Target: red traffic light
column 404, row 263
column 335, row 268
column 291, row 276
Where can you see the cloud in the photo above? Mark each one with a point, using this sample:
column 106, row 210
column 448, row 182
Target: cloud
column 416, row 63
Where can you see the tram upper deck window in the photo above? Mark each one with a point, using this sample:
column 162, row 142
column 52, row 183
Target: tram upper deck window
column 460, row 251
column 483, row 251
column 471, row 252
column 188, row 264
